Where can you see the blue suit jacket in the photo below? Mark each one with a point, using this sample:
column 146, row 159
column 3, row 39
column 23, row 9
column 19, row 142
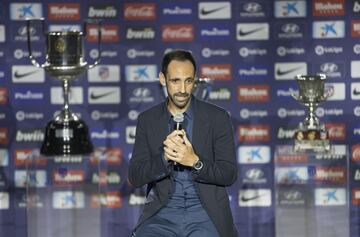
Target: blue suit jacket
column 213, row 142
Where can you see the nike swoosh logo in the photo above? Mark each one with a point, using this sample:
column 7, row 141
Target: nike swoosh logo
column 281, row 73
column 95, row 96
column 19, row 75
column 247, row 199
column 207, row 12
column 355, row 92
column 245, row 33
column 131, row 135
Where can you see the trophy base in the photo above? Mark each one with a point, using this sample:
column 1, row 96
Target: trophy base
column 312, row 140
column 66, row 138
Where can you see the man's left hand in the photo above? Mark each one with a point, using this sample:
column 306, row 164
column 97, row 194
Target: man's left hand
column 185, row 154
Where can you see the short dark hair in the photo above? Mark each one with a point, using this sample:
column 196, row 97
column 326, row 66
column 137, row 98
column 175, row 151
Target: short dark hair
column 178, row 55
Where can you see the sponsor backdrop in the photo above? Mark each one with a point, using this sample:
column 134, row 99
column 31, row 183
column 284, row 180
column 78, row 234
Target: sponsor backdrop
column 251, row 48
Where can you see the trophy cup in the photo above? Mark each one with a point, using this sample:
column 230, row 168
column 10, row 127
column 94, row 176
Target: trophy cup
column 311, row 135
column 66, row 134
column 203, row 87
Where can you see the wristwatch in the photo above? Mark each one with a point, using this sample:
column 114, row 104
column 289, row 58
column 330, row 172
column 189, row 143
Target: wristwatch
column 198, row 165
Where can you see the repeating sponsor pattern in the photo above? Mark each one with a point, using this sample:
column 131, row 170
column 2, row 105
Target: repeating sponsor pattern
column 252, row 49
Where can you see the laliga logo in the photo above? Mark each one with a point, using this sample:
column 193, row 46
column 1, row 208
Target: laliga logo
column 19, row 54
column 357, row 111
column 356, row 48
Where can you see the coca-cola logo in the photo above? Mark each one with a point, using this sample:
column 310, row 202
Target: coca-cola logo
column 109, row 155
column 179, row 32
column 140, row 11
column 336, row 131
column 29, row 157
column 108, row 199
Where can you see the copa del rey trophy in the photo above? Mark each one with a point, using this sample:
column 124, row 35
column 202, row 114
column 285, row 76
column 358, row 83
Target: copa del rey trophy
column 66, row 134
column 311, row 135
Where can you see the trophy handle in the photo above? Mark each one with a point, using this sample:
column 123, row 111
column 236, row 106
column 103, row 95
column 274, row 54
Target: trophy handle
column 296, row 96
column 99, row 24
column 28, row 25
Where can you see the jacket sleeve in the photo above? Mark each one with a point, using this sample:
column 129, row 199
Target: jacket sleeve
column 222, row 168
column 146, row 166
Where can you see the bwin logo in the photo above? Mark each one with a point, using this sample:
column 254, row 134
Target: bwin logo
column 328, row 67
column 29, row 136
column 252, row 7
column 290, row 28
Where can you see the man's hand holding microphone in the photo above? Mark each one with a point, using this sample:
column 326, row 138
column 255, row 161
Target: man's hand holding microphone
column 177, row 146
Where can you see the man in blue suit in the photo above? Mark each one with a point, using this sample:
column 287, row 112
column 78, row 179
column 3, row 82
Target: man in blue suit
column 186, row 170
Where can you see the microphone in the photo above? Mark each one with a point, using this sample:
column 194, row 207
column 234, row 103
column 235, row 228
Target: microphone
column 178, row 119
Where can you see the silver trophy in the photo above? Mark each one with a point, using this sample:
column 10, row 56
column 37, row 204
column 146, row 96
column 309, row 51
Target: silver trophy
column 311, row 134
column 203, row 87
column 66, row 134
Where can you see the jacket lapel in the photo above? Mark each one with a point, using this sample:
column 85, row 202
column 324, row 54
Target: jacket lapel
column 160, row 127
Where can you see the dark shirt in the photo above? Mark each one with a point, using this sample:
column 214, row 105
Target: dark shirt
column 184, row 199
